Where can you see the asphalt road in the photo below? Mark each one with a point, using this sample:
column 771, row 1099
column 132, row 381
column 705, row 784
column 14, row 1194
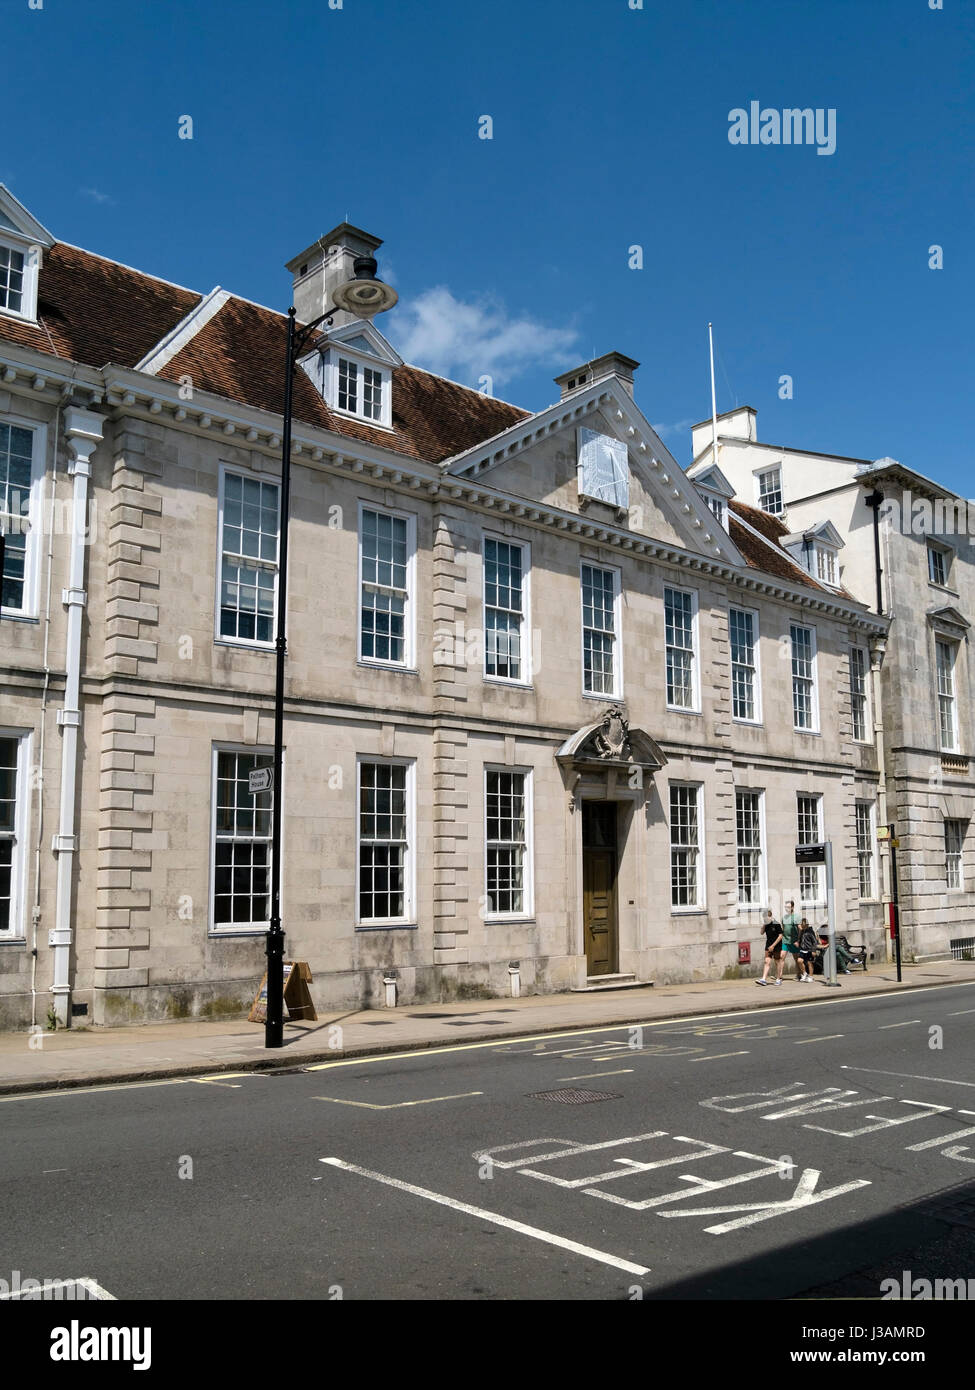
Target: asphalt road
column 751, row 1156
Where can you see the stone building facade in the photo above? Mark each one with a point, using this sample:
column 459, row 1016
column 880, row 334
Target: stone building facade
column 553, row 714
column 902, row 544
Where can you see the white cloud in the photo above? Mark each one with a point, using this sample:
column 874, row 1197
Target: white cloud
column 96, row 196
column 678, row 427
column 465, row 341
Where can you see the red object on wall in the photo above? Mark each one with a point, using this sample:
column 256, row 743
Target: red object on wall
column 744, row 953
column 891, row 911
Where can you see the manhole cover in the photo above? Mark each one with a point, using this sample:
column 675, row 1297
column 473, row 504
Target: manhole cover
column 573, row 1095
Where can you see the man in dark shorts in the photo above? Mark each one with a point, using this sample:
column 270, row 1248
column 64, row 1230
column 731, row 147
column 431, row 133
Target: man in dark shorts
column 773, row 948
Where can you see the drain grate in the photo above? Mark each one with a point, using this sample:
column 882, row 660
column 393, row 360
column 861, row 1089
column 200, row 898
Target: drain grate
column 574, row 1095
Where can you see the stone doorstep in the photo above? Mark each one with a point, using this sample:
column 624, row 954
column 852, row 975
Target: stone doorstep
column 596, row 984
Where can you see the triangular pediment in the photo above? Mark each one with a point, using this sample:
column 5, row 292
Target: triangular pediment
column 596, row 455
column 362, row 337
column 823, row 533
column 17, row 222
column 948, row 618
column 709, row 476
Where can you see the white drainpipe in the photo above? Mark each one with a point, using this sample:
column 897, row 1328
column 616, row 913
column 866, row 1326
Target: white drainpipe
column 83, row 430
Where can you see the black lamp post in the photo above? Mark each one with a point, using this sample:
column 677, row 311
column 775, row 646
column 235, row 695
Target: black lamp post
column 364, row 296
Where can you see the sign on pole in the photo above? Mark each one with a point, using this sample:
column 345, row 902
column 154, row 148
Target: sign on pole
column 823, row 854
column 260, row 779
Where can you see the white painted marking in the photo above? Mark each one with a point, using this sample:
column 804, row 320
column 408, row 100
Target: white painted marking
column 586, row 1075
column 53, row 1170
column 959, row 1013
column 802, row 1042
column 632, row 1165
column 93, row 1290
column 805, row 1195
column 718, row 1055
column 547, row 1237
column 883, row 1122
column 909, row 1076
column 399, row 1104
column 884, row 1026
column 771, row 1167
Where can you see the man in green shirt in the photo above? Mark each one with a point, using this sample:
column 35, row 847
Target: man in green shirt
column 790, row 944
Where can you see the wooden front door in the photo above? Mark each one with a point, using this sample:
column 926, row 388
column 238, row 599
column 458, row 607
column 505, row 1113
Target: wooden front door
column 599, row 886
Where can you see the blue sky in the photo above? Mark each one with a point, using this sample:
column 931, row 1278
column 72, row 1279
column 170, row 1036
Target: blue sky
column 510, row 255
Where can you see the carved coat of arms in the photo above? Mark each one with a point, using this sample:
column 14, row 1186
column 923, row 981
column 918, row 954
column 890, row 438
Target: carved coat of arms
column 612, row 739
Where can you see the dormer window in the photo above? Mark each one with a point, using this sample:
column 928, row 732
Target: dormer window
column 23, row 242
column 825, row 564
column 11, row 280
column 817, row 551
column 718, row 506
column 353, row 370
column 360, row 390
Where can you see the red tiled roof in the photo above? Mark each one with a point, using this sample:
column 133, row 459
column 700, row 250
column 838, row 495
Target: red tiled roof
column 95, row 311
column 240, row 353
column 764, row 552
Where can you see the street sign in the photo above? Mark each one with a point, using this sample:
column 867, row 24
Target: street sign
column 260, row 779
column 810, row 854
column 883, row 832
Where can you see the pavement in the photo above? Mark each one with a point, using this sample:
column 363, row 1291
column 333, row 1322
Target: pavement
column 95, row 1056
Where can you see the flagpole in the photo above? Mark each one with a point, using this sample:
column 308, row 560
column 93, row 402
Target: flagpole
column 714, row 412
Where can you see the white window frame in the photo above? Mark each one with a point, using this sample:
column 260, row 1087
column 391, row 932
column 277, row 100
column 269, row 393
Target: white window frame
column 955, row 858
column 945, row 554
column 824, row 557
column 695, row 706
column 761, row 473
column 717, row 505
column 32, row 254
column 525, row 679
column 753, row 613
column 330, row 383
column 36, row 521
column 867, row 736
column 528, row 869
column 950, row 694
column 700, row 905
column 616, row 693
column 17, row 929
column 812, row 728
column 409, row 917
column 409, row 618
column 762, row 852
column 270, row 479
column 871, row 852
column 238, row 928
column 814, row 870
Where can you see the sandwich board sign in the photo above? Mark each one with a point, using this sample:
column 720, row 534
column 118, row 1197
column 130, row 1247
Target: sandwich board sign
column 297, row 998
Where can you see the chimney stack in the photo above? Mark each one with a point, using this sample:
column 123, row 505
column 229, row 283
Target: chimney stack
column 610, row 364
column 326, row 264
